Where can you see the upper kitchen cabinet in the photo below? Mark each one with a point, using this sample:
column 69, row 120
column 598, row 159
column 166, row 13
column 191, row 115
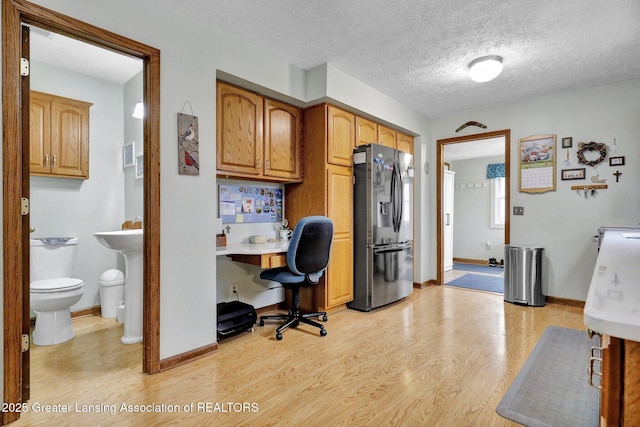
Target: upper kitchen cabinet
column 58, row 136
column 387, row 136
column 404, row 143
column 256, row 137
column 340, row 136
column 366, row 131
column 282, row 136
column 239, row 131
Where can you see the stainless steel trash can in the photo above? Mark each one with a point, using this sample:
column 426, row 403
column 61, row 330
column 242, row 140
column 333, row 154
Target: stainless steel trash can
column 524, row 274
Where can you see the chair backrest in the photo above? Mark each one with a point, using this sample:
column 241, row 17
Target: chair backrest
column 310, row 246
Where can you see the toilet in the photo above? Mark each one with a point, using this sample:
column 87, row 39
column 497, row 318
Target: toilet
column 52, row 290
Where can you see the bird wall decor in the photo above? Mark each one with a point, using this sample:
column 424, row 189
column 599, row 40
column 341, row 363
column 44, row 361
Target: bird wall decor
column 471, row 123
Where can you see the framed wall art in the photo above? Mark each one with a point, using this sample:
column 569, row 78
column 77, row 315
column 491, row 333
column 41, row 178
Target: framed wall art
column 129, row 155
column 568, row 174
column 188, row 145
column 537, row 163
column 140, row 167
column 616, row 161
column 567, row 142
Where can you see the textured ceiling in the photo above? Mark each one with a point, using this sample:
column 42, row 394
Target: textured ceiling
column 418, row 51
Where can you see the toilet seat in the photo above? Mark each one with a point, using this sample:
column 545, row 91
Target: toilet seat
column 55, row 285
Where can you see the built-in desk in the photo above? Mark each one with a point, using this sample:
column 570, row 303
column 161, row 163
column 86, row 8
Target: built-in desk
column 264, row 255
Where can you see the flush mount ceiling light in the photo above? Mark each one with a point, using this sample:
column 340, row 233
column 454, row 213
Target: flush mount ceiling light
column 138, row 111
column 486, row 68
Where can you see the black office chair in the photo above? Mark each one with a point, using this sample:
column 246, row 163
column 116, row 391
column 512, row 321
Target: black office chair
column 307, row 258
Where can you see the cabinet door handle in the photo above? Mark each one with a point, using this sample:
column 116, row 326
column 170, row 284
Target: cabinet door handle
column 54, row 161
column 267, row 164
column 592, row 360
column 46, row 160
column 257, row 163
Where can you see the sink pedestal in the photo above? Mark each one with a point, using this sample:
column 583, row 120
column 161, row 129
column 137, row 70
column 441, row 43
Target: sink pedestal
column 129, row 243
column 132, row 298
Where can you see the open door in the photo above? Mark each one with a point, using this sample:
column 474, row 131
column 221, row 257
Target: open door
column 26, row 321
column 15, row 176
column 440, row 227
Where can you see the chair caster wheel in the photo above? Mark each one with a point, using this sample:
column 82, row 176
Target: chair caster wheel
column 261, row 322
column 323, row 332
column 279, row 336
column 325, row 318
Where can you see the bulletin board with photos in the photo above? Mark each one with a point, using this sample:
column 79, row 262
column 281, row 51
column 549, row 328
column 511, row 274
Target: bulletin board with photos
column 249, row 203
column 537, row 163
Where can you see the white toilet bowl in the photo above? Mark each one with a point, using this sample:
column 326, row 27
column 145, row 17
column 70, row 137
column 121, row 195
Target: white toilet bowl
column 51, row 299
column 52, row 291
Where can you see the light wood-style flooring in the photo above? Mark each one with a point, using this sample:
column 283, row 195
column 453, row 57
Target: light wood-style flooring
column 442, row 357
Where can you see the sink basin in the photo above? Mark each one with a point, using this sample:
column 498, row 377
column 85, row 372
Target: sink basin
column 123, row 241
column 130, row 244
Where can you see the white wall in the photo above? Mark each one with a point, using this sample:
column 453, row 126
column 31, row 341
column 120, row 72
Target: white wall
column 472, row 212
column 133, row 188
column 560, row 220
column 75, row 207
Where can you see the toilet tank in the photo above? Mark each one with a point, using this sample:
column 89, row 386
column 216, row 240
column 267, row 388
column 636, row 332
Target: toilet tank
column 52, row 257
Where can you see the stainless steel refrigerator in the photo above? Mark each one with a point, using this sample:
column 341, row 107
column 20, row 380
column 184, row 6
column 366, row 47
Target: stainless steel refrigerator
column 383, row 226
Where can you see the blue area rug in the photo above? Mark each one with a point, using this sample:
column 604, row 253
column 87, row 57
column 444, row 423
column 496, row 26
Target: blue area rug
column 478, row 268
column 551, row 389
column 479, row 282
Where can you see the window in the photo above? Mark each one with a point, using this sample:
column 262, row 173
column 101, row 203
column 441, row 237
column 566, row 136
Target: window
column 498, row 202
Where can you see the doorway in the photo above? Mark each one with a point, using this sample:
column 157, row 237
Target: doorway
column 15, row 161
column 440, row 166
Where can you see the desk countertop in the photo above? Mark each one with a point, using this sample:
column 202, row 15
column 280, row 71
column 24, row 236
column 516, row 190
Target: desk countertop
column 253, row 249
column 613, row 301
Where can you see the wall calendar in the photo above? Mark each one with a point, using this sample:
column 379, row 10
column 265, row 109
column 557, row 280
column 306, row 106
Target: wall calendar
column 538, row 163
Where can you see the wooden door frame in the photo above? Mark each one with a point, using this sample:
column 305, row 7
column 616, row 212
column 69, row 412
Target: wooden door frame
column 440, row 144
column 15, row 243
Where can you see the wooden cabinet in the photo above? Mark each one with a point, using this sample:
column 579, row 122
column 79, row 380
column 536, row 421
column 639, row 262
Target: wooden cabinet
column 58, row 136
column 282, row 136
column 387, row 136
column 340, row 210
column 340, row 136
column 404, row 143
column 256, row 137
column 239, row 125
column 329, row 138
column 368, row 131
column 271, row 260
column 620, row 399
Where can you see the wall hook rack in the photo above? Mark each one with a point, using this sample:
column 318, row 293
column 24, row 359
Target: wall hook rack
column 589, row 187
column 589, row 190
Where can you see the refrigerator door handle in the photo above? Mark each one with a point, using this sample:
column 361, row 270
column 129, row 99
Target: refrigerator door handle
column 387, row 251
column 396, row 195
column 390, row 249
column 401, row 196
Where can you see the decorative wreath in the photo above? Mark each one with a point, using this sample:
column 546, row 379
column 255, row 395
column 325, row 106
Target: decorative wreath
column 592, row 146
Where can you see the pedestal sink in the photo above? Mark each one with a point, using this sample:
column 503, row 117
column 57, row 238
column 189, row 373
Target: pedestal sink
column 129, row 243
